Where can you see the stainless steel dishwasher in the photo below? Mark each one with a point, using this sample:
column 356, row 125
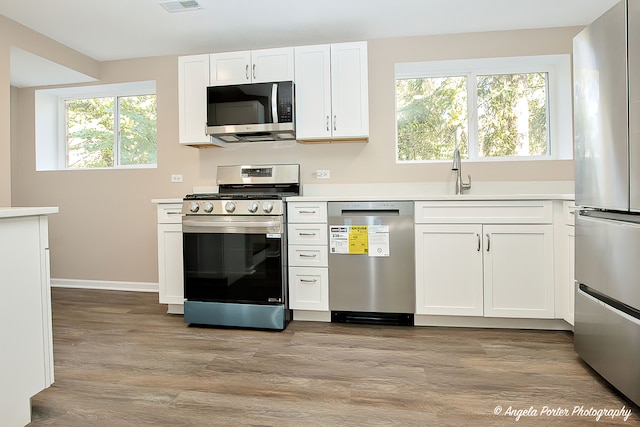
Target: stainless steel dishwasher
column 371, row 262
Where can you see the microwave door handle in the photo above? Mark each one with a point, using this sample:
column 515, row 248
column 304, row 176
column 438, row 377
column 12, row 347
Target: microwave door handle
column 274, row 102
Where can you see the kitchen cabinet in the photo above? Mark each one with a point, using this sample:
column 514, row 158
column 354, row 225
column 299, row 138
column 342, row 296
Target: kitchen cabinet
column 492, row 259
column 26, row 359
column 256, row 66
column 332, row 92
column 308, row 256
column 170, row 265
column 569, row 210
column 193, row 79
column 449, row 269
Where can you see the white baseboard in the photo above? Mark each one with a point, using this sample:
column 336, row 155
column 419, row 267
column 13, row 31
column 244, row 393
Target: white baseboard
column 105, row 285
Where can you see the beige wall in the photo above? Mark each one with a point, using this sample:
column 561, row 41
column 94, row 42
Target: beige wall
column 106, row 226
column 14, row 34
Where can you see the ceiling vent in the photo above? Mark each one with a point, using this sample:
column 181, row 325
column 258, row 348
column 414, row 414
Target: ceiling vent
column 180, row 6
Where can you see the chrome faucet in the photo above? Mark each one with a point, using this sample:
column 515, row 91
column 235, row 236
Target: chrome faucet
column 457, row 166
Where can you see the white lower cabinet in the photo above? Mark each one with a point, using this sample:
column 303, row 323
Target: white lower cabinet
column 308, row 256
column 170, row 277
column 491, row 270
column 26, row 358
column 518, row 271
column 309, row 288
column 170, row 265
column 449, row 269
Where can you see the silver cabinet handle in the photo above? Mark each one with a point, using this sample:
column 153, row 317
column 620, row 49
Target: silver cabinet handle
column 488, row 242
column 246, row 71
column 328, row 124
column 306, row 234
column 254, row 71
column 274, row 98
column 479, row 243
column 307, row 255
column 173, row 213
column 308, row 280
column 335, row 119
column 308, row 212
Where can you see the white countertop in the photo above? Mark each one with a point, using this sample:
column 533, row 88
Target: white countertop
column 421, row 197
column 14, row 212
column 427, row 191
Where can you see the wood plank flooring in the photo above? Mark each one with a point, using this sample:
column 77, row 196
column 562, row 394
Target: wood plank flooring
column 120, row 360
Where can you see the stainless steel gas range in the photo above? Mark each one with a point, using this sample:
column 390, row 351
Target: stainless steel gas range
column 235, row 248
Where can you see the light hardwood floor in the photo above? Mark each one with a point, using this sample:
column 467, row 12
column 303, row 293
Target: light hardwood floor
column 120, row 360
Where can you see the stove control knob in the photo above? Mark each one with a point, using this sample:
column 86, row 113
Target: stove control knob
column 267, row 207
column 253, row 207
column 230, row 207
column 208, row 207
column 194, row 207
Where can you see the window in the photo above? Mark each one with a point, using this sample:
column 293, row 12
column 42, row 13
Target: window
column 96, row 127
column 490, row 109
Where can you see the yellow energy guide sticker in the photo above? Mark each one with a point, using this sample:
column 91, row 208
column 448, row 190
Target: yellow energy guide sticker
column 359, row 239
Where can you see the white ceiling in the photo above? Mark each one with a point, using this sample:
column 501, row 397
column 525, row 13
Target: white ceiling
column 120, row 29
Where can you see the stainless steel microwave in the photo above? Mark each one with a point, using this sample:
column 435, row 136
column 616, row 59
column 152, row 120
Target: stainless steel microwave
column 251, row 112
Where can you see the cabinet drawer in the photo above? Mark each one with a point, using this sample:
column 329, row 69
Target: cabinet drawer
column 485, row 212
column 170, row 213
column 308, row 256
column 569, row 211
column 307, row 212
column 307, row 234
column 309, row 288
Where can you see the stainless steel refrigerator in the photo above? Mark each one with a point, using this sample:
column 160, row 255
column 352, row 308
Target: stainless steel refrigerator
column 606, row 57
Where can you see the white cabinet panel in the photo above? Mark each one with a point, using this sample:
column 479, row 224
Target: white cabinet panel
column 26, row 358
column 308, row 256
column 307, row 212
column 313, row 91
column 449, row 270
column 518, row 271
column 332, row 92
column 230, row 68
column 193, row 79
column 272, row 65
column 258, row 66
column 309, row 288
column 486, row 212
column 490, row 270
column 307, row 234
column 350, row 90
column 170, row 267
column 170, row 263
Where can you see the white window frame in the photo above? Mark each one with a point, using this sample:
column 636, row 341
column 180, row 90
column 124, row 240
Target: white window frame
column 558, row 69
column 51, row 138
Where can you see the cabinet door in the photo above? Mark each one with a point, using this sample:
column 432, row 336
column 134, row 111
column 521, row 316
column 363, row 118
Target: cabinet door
column 570, row 283
column 308, row 288
column 272, row 65
column 349, row 90
column 518, row 271
column 313, row 92
column 193, row 79
column 230, row 68
column 449, row 269
column 170, row 278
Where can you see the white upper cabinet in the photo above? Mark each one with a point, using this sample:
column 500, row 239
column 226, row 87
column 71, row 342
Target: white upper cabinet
column 193, row 79
column 332, row 92
column 256, row 66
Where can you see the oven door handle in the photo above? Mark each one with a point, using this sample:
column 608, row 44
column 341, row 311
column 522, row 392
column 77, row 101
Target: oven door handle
column 230, row 226
column 226, row 224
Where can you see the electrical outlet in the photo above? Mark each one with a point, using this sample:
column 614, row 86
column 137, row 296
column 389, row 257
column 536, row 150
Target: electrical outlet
column 323, row 174
column 176, row 178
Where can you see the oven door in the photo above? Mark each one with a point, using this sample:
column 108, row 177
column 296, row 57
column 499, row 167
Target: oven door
column 234, row 259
